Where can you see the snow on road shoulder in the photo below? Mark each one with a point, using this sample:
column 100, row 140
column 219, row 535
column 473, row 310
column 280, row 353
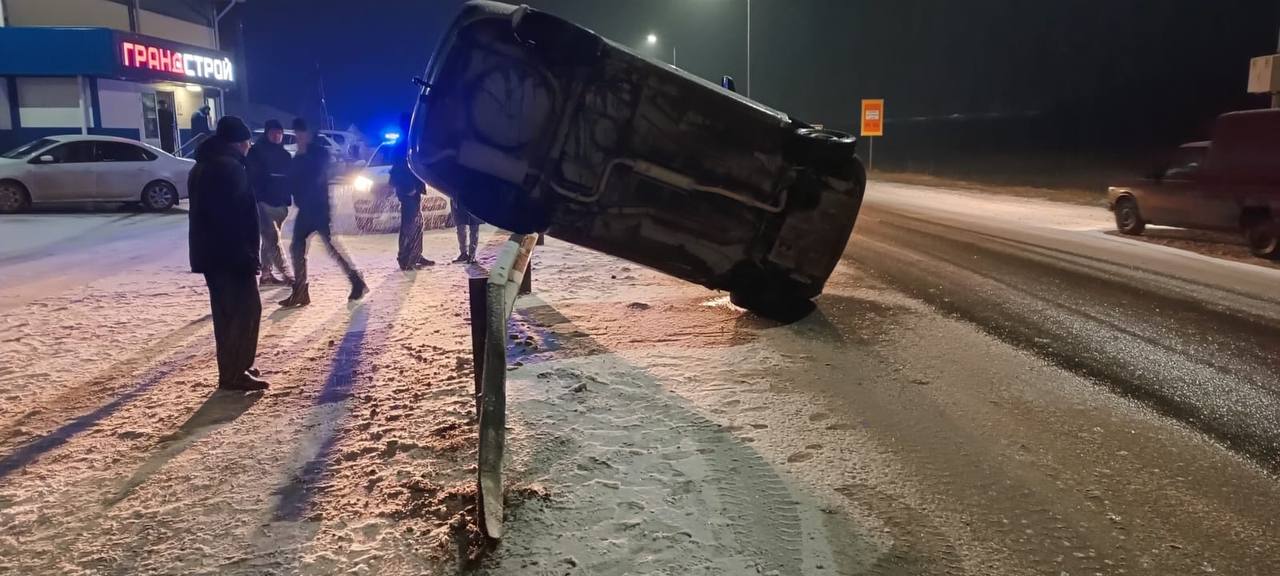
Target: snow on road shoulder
column 1025, row 211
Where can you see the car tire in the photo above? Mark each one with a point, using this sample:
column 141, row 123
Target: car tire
column 779, row 307
column 823, row 149
column 13, row 197
column 159, row 196
column 1128, row 218
column 1263, row 236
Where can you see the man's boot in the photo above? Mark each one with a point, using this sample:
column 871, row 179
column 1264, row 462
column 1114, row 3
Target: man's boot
column 301, row 296
column 244, row 383
column 358, row 288
column 462, row 257
column 269, row 280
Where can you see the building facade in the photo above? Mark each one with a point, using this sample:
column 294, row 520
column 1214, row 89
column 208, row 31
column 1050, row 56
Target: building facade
column 137, row 69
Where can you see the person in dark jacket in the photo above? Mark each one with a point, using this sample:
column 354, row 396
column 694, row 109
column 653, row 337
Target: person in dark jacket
column 268, row 166
column 168, row 126
column 309, row 182
column 409, row 190
column 200, row 121
column 224, row 247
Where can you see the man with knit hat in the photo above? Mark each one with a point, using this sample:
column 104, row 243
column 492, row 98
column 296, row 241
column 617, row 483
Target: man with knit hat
column 224, row 247
column 268, row 166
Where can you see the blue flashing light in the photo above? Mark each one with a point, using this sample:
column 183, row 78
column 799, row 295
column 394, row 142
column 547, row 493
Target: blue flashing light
column 391, row 136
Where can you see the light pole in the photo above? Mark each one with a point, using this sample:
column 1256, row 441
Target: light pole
column 748, row 48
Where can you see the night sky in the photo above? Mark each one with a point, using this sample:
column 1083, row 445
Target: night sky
column 985, row 74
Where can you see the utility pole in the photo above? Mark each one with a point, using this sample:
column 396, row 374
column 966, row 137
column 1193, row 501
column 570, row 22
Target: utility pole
column 135, row 15
column 324, row 104
column 748, row 48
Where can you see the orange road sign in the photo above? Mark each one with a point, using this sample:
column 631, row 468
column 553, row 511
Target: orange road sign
column 873, row 117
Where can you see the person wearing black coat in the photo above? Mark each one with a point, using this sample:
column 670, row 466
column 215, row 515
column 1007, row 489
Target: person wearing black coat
column 224, row 247
column 200, row 121
column 409, row 190
column 268, row 166
column 309, row 182
column 168, row 127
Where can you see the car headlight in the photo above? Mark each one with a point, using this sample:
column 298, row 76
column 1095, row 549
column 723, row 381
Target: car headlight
column 362, row 184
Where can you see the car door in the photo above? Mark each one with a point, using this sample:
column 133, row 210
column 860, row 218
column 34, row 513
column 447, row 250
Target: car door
column 1182, row 195
column 64, row 173
column 122, row 170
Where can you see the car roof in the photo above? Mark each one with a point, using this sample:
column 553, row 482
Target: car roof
column 82, row 137
column 95, row 138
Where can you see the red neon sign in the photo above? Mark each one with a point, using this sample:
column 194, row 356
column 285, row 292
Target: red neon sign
column 141, row 56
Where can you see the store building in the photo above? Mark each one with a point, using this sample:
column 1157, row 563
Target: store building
column 124, row 68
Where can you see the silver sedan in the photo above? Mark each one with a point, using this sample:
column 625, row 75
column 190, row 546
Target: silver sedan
column 76, row 168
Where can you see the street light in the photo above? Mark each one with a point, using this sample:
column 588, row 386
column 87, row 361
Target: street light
column 652, row 40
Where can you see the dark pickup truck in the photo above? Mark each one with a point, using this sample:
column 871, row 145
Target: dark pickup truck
column 537, row 124
column 1229, row 183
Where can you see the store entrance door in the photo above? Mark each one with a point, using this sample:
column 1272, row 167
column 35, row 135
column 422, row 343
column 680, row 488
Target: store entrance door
column 166, row 115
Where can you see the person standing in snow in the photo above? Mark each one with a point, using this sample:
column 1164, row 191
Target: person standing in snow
column 224, row 247
column 309, row 182
column 409, row 190
column 464, row 222
column 268, row 165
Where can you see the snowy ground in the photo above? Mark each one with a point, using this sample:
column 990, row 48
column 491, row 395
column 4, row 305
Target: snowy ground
column 654, row 429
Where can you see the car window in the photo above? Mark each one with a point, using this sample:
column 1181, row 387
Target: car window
column 28, row 149
column 122, row 152
column 340, row 139
column 1186, row 162
column 72, row 152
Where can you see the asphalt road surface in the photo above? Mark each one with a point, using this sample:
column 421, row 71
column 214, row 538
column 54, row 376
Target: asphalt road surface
column 1195, row 337
column 1083, row 403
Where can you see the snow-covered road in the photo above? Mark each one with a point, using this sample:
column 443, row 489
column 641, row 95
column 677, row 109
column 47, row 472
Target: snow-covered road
column 654, row 429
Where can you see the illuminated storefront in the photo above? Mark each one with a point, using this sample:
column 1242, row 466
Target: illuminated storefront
column 56, row 80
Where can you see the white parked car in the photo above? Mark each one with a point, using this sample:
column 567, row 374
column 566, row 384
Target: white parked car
column 75, row 168
column 377, row 209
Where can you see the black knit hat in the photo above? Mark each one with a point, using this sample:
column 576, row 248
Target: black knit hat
column 233, row 129
column 273, row 124
column 299, row 125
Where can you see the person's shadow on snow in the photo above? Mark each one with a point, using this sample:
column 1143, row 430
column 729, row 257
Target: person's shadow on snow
column 220, row 409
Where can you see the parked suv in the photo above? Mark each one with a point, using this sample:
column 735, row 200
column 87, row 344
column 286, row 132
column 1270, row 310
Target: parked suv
column 536, row 124
column 1229, row 183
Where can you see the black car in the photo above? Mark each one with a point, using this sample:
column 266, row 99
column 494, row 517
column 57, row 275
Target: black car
column 537, row 124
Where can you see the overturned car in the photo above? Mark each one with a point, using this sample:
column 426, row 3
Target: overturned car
column 536, row 124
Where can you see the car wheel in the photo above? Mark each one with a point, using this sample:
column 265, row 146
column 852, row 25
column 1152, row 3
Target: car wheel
column 1128, row 218
column 13, row 197
column 159, row 196
column 784, row 308
column 823, row 149
column 1264, row 238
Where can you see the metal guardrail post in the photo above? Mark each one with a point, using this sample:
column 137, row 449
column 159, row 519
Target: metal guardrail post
column 503, row 285
column 477, row 292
